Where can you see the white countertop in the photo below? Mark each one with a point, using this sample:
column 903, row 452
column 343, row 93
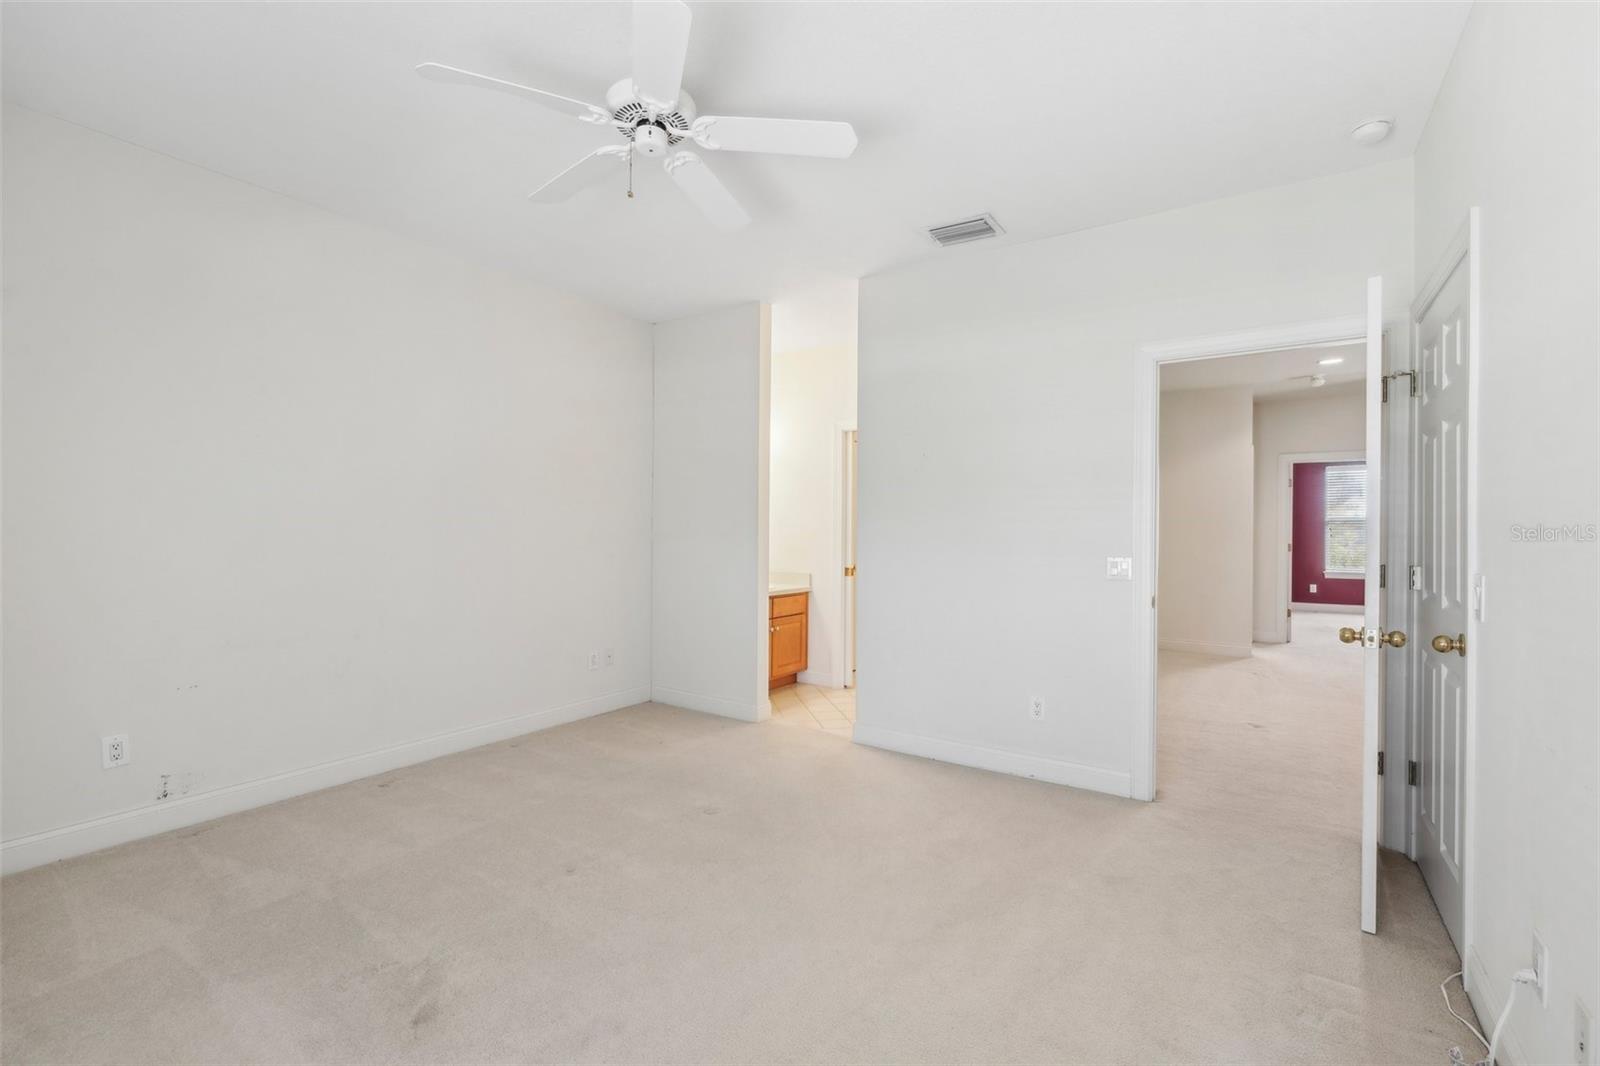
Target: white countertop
column 787, row 584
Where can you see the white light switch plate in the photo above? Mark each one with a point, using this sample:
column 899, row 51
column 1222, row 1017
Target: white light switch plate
column 1119, row 568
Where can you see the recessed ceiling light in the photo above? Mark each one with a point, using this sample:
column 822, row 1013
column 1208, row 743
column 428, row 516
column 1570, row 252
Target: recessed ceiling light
column 1332, row 360
column 1372, row 131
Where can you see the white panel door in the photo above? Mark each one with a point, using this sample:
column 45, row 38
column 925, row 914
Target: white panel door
column 1371, row 622
column 1442, row 602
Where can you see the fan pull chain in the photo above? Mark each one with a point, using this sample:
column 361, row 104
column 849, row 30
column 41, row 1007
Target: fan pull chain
column 630, row 175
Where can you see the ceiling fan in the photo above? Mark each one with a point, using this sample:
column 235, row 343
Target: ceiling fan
column 655, row 116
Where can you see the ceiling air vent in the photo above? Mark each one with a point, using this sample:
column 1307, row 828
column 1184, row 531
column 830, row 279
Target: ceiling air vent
column 968, row 229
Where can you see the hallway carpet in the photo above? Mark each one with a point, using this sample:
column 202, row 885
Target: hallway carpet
column 656, row 885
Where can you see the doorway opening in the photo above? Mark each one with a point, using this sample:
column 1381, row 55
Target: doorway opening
column 1261, row 563
column 812, row 514
column 1186, row 473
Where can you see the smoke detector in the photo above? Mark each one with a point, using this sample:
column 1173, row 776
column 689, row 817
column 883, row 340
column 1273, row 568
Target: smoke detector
column 1372, row 131
column 1318, row 380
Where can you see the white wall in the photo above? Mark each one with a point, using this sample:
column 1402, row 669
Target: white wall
column 1207, row 498
column 1514, row 132
column 813, row 402
column 1332, row 419
column 997, row 380
column 287, row 493
column 709, row 618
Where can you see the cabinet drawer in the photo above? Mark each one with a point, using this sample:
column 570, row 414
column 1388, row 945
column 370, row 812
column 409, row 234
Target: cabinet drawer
column 784, row 606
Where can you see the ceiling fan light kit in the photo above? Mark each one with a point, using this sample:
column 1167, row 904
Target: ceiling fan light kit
column 655, row 116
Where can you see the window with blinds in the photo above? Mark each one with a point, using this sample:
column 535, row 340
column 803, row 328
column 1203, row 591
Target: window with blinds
column 1344, row 516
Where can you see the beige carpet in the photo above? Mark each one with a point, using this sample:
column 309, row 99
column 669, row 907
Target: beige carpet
column 659, row 885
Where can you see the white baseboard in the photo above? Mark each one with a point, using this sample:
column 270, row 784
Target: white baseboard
column 693, row 701
column 1326, row 608
column 1038, row 767
column 81, row 838
column 1488, row 1000
column 1206, row 647
column 1268, row 638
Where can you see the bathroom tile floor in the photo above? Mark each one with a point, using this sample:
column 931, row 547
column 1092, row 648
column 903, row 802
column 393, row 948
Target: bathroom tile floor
column 831, row 710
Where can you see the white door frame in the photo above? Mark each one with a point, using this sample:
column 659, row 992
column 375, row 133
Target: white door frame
column 843, row 516
column 1464, row 245
column 1148, row 359
column 1286, row 464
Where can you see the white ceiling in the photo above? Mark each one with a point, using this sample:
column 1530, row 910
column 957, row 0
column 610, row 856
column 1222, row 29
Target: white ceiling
column 1055, row 117
column 1276, row 373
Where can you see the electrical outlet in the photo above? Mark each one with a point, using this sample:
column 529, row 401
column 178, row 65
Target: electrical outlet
column 1541, row 967
column 1580, row 1036
column 1036, row 708
column 611, row 657
column 594, row 660
column 1119, row 568
column 114, row 751
column 1313, row 589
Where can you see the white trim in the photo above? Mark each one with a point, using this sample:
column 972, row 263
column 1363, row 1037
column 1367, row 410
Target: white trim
column 761, row 705
column 1146, row 409
column 1040, row 768
column 1206, row 647
column 1329, row 331
column 1372, row 613
column 135, row 823
column 1328, row 608
column 841, row 519
column 756, row 711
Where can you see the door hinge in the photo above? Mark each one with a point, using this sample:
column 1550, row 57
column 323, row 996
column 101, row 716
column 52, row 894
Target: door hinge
column 1290, row 547
column 1380, row 764
column 1411, row 772
column 849, row 571
column 1416, row 579
column 1412, row 374
column 1288, row 612
column 1383, row 575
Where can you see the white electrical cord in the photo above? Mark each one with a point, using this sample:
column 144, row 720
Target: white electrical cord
column 1521, row 977
column 1444, row 991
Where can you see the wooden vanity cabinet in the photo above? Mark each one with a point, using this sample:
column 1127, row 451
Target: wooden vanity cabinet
column 787, row 637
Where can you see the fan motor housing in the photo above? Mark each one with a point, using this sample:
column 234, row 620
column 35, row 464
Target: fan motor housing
column 651, row 130
column 650, row 140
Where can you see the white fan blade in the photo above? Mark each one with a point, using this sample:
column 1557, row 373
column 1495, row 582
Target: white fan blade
column 784, row 136
column 580, row 175
column 565, row 104
column 699, row 184
column 660, row 43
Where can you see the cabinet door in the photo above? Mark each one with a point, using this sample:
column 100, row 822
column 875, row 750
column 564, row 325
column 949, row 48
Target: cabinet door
column 788, row 645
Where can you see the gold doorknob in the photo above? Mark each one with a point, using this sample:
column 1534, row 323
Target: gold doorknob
column 1445, row 645
column 1394, row 638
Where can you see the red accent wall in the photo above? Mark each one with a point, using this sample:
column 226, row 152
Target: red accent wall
column 1305, row 567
